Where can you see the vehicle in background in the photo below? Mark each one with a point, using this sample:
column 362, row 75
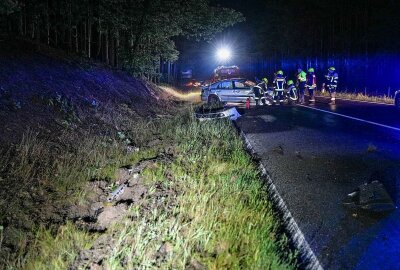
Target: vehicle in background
column 225, row 72
column 229, row 90
column 397, row 99
column 193, row 83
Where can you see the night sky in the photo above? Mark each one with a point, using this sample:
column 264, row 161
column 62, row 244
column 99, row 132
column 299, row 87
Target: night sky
column 310, row 27
column 354, row 33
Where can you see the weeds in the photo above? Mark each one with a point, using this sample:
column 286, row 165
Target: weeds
column 221, row 218
column 360, row 97
column 59, row 251
column 207, row 208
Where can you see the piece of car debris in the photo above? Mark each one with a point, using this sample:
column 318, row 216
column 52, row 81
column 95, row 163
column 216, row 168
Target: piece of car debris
column 371, row 197
column 219, row 113
column 117, row 192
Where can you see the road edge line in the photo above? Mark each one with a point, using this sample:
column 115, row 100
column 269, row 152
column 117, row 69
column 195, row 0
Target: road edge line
column 296, row 235
column 351, row 117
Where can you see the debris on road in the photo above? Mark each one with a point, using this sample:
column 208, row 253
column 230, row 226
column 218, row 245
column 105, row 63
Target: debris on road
column 371, row 197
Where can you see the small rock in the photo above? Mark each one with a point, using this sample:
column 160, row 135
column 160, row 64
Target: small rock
column 278, row 150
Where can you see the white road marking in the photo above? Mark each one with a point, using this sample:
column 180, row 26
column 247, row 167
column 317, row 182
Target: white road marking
column 353, row 118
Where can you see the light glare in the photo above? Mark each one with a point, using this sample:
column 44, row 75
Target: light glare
column 224, row 54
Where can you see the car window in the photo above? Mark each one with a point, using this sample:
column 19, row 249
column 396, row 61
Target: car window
column 225, row 85
column 241, row 85
column 214, row 85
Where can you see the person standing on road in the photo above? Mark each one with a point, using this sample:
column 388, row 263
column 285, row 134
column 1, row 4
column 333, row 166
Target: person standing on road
column 259, row 91
column 279, row 83
column 311, row 84
column 291, row 91
column 301, row 83
column 331, row 81
column 264, row 84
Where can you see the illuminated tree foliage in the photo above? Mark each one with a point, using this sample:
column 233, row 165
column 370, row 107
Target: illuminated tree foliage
column 134, row 34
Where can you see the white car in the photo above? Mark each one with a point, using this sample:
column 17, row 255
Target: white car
column 229, row 90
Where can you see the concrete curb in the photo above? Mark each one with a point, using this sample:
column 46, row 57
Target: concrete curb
column 310, row 260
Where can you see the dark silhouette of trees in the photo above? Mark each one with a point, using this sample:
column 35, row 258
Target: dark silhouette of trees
column 133, row 34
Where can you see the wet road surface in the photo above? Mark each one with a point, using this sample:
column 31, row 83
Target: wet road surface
column 315, row 158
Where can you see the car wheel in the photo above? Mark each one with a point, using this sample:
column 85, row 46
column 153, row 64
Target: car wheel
column 397, row 100
column 213, row 100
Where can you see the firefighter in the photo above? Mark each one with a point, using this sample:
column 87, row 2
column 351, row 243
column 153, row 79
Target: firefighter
column 301, row 83
column 279, row 83
column 259, row 91
column 311, row 84
column 264, row 84
column 291, row 91
column 331, row 81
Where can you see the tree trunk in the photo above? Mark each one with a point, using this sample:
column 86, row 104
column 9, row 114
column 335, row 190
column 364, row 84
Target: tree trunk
column 117, row 49
column 99, row 45
column 89, row 50
column 56, row 37
column 112, row 48
column 107, row 48
column 84, row 37
column 76, row 39
column 48, row 22
column 70, row 27
column 20, row 24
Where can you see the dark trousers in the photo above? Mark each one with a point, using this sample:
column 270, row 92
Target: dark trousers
column 311, row 92
column 302, row 89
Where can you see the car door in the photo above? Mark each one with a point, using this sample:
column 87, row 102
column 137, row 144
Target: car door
column 224, row 91
column 241, row 91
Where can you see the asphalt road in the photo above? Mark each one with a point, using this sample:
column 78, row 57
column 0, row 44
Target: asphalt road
column 318, row 154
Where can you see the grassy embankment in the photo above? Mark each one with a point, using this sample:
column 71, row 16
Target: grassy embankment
column 359, row 97
column 217, row 215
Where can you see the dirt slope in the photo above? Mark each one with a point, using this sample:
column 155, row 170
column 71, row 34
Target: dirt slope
column 63, row 121
column 48, row 91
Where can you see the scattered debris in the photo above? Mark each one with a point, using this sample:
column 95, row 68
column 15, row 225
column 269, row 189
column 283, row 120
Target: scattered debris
column 132, row 149
column 117, row 192
column 371, row 197
column 298, row 155
column 278, row 150
column 216, row 113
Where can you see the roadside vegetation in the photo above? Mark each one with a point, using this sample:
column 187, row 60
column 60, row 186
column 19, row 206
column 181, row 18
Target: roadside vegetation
column 204, row 207
column 359, row 97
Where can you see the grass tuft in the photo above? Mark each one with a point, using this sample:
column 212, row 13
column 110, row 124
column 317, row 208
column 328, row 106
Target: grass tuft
column 207, row 208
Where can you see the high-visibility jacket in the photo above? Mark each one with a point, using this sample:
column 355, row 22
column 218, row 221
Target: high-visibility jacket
column 302, row 77
column 279, row 82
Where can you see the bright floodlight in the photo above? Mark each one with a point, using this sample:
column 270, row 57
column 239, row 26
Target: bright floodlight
column 224, row 54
